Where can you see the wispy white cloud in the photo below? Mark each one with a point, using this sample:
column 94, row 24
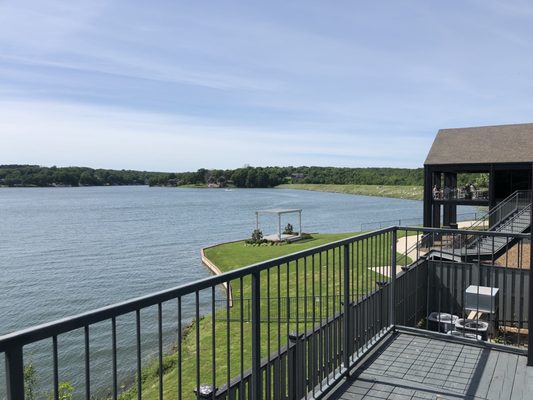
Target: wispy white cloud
column 40, row 27
column 71, row 134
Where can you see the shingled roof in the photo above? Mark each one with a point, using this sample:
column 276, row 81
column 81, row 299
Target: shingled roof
column 483, row 145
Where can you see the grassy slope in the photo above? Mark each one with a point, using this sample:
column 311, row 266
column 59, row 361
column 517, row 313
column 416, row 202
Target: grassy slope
column 230, row 256
column 400, row 192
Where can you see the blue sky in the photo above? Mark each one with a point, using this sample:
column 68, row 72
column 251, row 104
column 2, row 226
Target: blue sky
column 179, row 85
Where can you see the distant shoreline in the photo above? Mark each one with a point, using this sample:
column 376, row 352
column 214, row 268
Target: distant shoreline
column 391, row 191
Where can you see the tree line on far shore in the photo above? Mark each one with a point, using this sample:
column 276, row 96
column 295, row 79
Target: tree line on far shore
column 35, row 175
column 252, row 177
column 246, row 177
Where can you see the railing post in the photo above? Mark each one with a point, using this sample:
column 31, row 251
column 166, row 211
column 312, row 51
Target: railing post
column 530, row 300
column 256, row 336
column 346, row 317
column 14, row 374
column 297, row 384
column 392, row 301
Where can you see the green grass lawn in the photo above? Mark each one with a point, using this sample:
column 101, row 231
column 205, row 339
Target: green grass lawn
column 229, row 256
column 400, row 192
column 319, row 275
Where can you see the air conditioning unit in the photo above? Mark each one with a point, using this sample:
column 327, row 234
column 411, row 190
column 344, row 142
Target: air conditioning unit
column 481, row 298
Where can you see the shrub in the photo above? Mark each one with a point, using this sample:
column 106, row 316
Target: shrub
column 289, row 230
column 257, row 237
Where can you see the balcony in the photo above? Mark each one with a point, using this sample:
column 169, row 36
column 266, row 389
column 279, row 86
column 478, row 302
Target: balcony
column 347, row 319
column 464, row 196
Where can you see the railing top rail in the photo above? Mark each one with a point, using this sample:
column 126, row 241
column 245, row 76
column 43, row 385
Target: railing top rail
column 68, row 324
column 394, row 222
column 47, row 330
column 464, row 231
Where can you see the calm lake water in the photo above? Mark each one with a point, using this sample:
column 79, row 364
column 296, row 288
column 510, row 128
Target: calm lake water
column 68, row 250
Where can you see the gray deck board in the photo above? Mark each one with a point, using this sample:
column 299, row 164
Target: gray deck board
column 416, row 367
column 501, row 385
column 520, row 388
column 484, row 374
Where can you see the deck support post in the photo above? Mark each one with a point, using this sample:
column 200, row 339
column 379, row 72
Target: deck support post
column 530, row 300
column 296, row 360
column 450, row 209
column 14, row 374
column 392, row 294
column 428, row 199
column 348, row 340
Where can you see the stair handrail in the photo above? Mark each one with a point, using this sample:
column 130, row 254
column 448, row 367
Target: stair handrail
column 500, row 228
column 512, row 220
column 501, row 222
column 515, row 196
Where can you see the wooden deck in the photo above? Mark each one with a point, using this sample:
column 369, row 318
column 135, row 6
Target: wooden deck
column 417, row 367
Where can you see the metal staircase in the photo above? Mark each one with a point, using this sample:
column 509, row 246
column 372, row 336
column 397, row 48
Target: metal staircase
column 512, row 215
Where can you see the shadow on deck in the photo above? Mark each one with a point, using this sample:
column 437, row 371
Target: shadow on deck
column 409, row 366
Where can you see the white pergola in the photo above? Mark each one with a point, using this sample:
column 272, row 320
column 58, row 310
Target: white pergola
column 279, row 212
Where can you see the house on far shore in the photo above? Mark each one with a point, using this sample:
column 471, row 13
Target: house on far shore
column 504, row 152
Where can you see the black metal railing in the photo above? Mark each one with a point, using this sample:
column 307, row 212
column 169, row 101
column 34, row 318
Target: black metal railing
column 234, row 350
column 465, row 193
column 515, row 203
column 480, row 292
column 366, row 226
column 295, row 326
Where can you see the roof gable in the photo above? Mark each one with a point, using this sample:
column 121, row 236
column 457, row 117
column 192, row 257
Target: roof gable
column 483, row 145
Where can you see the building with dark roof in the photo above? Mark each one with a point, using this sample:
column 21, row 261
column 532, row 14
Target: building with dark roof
column 505, row 152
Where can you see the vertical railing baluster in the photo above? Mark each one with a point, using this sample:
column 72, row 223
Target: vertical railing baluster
column 307, row 361
column 357, row 282
column 160, row 347
column 213, row 344
column 56, row 367
column 180, row 360
column 312, row 356
column 392, row 294
column 279, row 384
column 321, row 316
column 87, row 364
column 197, row 338
column 256, row 336
column 268, row 390
column 228, row 342
column 241, row 383
column 327, row 337
column 138, row 348
column 114, row 351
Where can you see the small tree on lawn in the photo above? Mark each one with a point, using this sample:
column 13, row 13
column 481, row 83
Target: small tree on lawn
column 289, row 230
column 257, row 236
